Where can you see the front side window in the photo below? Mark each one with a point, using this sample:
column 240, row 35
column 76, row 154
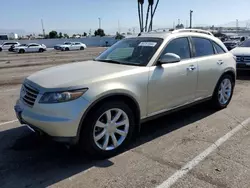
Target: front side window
column 132, row 51
column 218, row 48
column 203, row 47
column 180, row 47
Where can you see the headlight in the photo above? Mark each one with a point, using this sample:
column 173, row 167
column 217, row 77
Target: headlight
column 58, row 97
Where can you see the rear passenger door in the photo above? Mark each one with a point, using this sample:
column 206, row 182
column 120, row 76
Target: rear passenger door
column 209, row 56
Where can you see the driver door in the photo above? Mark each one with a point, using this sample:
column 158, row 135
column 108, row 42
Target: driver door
column 174, row 84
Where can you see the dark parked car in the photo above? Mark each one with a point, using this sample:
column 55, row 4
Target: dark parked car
column 231, row 44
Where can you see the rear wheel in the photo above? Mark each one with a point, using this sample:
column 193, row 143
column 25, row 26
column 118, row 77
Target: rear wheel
column 1, row 49
column 81, row 48
column 41, row 50
column 108, row 129
column 21, row 51
column 66, row 49
column 223, row 92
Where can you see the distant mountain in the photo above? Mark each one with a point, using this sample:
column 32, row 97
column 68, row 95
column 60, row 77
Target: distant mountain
column 233, row 24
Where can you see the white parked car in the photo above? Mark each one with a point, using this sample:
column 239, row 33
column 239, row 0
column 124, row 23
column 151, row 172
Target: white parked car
column 242, row 53
column 31, row 47
column 70, row 46
column 101, row 104
column 7, row 45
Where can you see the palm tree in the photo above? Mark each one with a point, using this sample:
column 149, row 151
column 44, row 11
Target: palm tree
column 152, row 15
column 150, row 4
column 139, row 13
column 141, row 3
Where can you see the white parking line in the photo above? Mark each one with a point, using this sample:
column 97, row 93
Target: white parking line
column 191, row 164
column 7, row 122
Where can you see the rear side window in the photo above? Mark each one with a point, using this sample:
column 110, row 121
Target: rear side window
column 180, row 47
column 218, row 48
column 203, row 47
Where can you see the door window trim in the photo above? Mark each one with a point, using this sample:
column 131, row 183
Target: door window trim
column 190, row 50
column 194, row 57
column 216, row 53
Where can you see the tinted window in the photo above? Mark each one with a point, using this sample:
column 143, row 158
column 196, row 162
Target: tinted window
column 180, row 47
column 8, row 43
column 33, row 45
column 203, row 47
column 77, row 43
column 218, row 48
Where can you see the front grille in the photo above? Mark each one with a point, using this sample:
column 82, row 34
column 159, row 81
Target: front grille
column 29, row 94
column 243, row 58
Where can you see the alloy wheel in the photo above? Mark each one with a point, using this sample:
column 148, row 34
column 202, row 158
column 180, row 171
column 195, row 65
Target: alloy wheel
column 225, row 91
column 111, row 129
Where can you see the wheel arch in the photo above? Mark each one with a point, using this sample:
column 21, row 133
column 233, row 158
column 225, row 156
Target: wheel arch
column 230, row 72
column 128, row 99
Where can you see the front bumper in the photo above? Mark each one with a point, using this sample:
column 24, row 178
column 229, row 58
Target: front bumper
column 60, row 121
column 243, row 66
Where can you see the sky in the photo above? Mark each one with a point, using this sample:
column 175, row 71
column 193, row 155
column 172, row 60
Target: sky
column 82, row 15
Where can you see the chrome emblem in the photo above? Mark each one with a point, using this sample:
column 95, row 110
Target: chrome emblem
column 242, row 59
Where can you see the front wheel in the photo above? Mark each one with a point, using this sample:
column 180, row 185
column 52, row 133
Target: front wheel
column 1, row 49
column 223, row 92
column 107, row 130
column 21, row 51
column 81, row 48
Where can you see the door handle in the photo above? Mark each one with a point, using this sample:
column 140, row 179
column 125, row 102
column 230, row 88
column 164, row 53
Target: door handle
column 191, row 68
column 220, row 62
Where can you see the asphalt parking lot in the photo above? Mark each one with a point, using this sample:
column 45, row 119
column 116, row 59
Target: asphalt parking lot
column 195, row 147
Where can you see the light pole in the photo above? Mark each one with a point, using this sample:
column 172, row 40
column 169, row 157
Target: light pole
column 191, row 14
column 99, row 23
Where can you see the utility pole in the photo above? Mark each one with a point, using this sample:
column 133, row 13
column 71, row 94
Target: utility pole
column 119, row 29
column 100, row 20
column 237, row 25
column 173, row 25
column 191, row 14
column 43, row 28
column 178, row 21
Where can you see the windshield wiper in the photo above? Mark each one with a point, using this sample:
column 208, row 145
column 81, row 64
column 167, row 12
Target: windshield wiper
column 109, row 61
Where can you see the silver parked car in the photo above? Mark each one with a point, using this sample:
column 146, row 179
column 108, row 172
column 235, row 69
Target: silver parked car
column 100, row 104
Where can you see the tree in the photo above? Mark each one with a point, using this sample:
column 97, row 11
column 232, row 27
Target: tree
column 85, row 34
column 99, row 32
column 152, row 9
column 118, row 36
column 53, row 34
column 179, row 26
column 65, row 35
column 60, row 35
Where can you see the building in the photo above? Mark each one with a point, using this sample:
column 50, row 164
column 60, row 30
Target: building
column 13, row 36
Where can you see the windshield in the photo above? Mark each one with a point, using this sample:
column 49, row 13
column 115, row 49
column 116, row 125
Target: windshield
column 132, row 51
column 246, row 43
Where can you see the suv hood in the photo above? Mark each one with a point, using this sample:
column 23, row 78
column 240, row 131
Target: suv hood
column 241, row 51
column 76, row 74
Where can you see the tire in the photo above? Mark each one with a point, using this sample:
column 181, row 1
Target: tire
column 66, row 49
column 217, row 100
column 21, row 51
column 41, row 50
column 96, row 148
column 1, row 49
column 81, row 48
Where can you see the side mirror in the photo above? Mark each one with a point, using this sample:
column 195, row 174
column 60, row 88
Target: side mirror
column 169, row 58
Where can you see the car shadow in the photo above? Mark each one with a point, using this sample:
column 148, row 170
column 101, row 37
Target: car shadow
column 27, row 160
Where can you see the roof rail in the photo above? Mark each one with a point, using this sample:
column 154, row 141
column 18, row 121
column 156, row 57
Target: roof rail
column 193, row 30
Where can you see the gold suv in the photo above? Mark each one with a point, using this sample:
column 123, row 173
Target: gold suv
column 100, row 104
